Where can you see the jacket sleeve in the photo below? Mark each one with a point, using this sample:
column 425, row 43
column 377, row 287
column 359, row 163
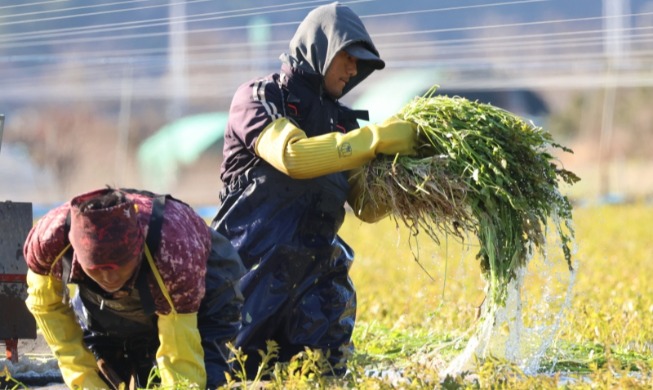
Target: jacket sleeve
column 45, row 242
column 62, row 333
column 43, row 247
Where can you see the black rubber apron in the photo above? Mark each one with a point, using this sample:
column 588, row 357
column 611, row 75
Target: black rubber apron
column 297, row 289
column 124, row 331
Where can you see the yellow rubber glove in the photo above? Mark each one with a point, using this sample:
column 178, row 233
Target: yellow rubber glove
column 62, row 333
column 287, row 148
column 180, row 356
column 364, row 208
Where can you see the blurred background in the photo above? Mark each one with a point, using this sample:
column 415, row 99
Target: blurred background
column 134, row 93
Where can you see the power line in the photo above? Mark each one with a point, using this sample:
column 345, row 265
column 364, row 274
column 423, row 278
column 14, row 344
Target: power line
column 504, row 25
column 457, row 8
column 549, row 52
column 213, row 16
column 454, row 44
column 121, row 26
column 81, row 15
column 554, row 41
column 30, row 4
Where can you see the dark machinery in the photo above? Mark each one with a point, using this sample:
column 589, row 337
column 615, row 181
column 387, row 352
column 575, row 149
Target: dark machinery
column 17, row 322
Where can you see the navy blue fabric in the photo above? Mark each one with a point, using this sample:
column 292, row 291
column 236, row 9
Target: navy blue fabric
column 218, row 318
column 297, row 290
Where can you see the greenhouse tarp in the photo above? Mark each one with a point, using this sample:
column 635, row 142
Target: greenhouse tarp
column 387, row 96
column 178, row 143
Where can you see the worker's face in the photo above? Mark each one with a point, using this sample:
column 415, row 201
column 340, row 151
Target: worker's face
column 342, row 68
column 110, row 276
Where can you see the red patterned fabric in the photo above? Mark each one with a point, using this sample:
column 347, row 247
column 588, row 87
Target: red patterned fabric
column 181, row 258
column 106, row 236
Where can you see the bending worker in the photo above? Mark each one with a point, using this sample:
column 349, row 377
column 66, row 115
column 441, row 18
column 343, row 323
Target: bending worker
column 155, row 287
column 290, row 153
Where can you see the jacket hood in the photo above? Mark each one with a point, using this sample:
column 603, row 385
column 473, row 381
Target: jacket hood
column 322, row 34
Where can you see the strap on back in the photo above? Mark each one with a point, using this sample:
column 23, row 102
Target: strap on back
column 152, row 241
column 66, row 262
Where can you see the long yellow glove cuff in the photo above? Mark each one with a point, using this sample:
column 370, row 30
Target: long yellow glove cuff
column 288, row 149
column 62, row 333
column 180, row 356
column 364, row 208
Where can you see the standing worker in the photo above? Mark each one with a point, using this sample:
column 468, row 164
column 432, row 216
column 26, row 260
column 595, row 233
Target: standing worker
column 155, row 287
column 290, row 151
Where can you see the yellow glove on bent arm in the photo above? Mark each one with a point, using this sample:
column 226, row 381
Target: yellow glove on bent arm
column 287, row 148
column 364, row 208
column 61, row 331
column 180, row 356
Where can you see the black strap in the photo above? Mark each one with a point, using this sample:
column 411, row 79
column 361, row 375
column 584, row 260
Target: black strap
column 153, row 240
column 361, row 114
column 66, row 262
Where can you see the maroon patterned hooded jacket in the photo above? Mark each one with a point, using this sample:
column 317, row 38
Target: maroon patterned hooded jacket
column 181, row 257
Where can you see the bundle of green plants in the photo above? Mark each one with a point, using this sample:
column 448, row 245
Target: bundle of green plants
column 479, row 170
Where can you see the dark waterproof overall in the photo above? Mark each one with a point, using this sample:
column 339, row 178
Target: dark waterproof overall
column 297, row 289
column 122, row 333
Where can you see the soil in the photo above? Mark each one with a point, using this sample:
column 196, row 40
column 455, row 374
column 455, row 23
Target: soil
column 36, row 367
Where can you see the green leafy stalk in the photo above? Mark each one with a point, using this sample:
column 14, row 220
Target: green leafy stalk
column 482, row 170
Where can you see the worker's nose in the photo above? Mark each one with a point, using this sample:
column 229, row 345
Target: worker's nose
column 352, row 68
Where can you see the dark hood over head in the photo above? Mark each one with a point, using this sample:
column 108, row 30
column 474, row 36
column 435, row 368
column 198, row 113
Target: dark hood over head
column 323, row 33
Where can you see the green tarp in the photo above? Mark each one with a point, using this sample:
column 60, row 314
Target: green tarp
column 387, row 96
column 178, row 143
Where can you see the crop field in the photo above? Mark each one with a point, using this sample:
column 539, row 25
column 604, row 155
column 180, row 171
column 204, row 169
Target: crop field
column 415, row 316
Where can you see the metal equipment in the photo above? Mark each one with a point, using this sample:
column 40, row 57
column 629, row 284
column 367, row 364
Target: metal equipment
column 17, row 322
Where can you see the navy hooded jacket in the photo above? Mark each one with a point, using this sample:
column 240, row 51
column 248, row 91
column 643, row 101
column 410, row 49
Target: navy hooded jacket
column 297, row 289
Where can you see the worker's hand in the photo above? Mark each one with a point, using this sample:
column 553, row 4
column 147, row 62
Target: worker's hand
column 361, row 201
column 62, row 332
column 180, row 356
column 395, row 135
column 110, row 374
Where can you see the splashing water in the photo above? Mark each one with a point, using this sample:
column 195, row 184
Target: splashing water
column 501, row 332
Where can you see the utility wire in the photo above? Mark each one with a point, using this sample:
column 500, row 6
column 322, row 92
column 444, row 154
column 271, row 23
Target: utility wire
column 212, row 16
column 3, row 7
column 542, row 61
column 457, row 8
column 280, row 24
column 548, row 51
column 453, row 44
column 82, row 15
column 507, row 25
column 189, row 19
